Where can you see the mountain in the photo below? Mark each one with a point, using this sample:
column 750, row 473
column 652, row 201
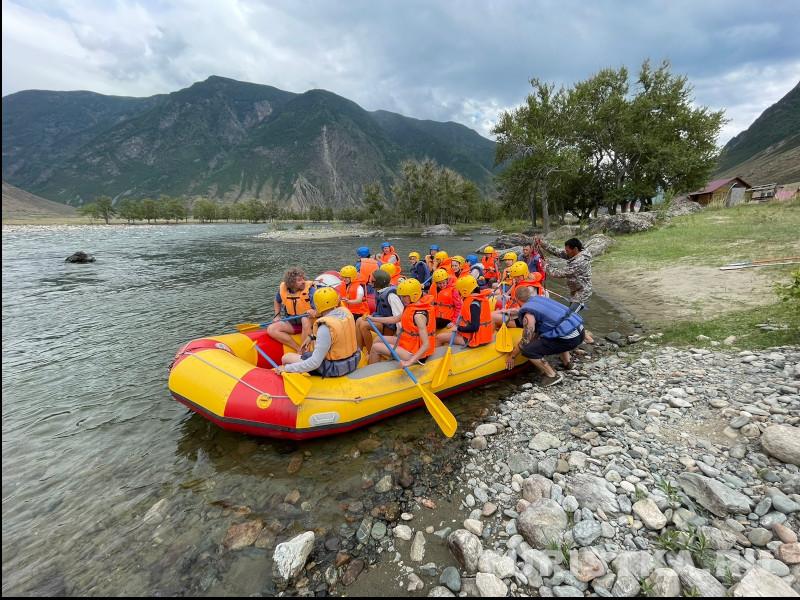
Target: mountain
column 224, row 139
column 19, row 204
column 769, row 150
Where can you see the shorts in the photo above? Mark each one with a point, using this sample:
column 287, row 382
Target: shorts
column 297, row 326
column 441, row 323
column 541, row 347
column 335, row 368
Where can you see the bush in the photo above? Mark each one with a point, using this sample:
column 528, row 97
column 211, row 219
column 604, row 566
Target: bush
column 790, row 292
column 298, row 226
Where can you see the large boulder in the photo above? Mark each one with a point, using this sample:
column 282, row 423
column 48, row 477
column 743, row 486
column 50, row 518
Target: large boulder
column 682, row 206
column 80, row 257
column 509, row 240
column 542, row 522
column 592, row 492
column 290, row 557
column 782, row 442
column 623, row 223
column 714, row 495
column 563, row 233
column 466, row 547
column 438, row 230
column 597, row 244
column 760, row 583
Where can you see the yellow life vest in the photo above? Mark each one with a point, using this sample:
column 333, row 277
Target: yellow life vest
column 342, row 326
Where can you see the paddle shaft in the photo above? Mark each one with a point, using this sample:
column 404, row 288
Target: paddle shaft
column 266, row 356
column 392, row 350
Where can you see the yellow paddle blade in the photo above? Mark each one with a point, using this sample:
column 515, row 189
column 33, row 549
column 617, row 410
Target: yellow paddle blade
column 492, row 302
column 503, row 341
column 440, row 413
column 442, row 371
column 242, row 327
column 364, row 360
column 296, row 387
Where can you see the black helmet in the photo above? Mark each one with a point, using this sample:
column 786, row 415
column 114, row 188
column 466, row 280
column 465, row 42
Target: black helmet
column 381, row 278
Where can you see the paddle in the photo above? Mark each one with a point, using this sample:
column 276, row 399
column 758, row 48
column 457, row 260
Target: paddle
column 443, row 417
column 296, row 384
column 767, row 262
column 243, row 327
column 443, row 370
column 503, row 341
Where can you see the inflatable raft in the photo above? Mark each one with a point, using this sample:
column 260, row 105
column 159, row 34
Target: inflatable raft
column 224, row 379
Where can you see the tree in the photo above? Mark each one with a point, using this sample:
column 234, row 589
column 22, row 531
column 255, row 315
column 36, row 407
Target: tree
column 90, row 210
column 105, row 208
column 128, row 209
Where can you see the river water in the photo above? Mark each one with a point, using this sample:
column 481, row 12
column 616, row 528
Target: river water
column 92, row 438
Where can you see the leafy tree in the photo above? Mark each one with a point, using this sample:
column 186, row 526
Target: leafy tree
column 128, row 209
column 105, row 208
column 90, row 210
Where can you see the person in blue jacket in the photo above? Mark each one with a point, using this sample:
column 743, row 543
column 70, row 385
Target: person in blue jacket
column 418, row 268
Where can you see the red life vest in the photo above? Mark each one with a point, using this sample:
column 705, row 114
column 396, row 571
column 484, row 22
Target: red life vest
column 409, row 334
column 444, row 300
column 350, row 292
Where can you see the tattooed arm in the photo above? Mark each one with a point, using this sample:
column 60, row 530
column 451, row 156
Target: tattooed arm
column 528, row 335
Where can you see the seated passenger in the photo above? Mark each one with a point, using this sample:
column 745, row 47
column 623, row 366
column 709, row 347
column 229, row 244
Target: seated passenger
column 389, row 256
column 388, row 311
column 335, row 351
column 520, row 277
column 430, row 258
column 418, row 269
column 509, row 258
column 446, row 300
column 489, row 262
column 476, row 269
column 293, row 299
column 475, row 327
column 353, row 294
column 393, row 271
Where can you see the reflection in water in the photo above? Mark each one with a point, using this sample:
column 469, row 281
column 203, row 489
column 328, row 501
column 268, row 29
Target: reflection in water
column 93, row 442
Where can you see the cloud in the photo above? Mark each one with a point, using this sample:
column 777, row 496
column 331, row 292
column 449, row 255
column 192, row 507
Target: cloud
column 444, row 60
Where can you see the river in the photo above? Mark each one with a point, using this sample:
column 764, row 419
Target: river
column 92, row 438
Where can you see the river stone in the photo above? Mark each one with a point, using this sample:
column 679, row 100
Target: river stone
column 440, row 592
column 291, row 556
column 586, row 532
column 80, row 257
column 592, row 493
column 403, row 532
column 353, row 571
column 378, row 530
column 451, row 579
column 759, row 536
column 520, row 462
column 760, row 583
column 789, row 553
column 474, row 526
column 384, row 485
column 242, row 535
column 786, row 535
column 664, row 583
column 775, row 567
column 585, row 565
column 418, row 547
column 649, row 514
column 637, row 564
column 542, row 522
column 466, row 547
column 626, row 586
column 566, row 591
column 479, row 443
column 544, row 441
column 782, row 442
column 438, row 230
column 156, row 513
column 486, row 429
column 701, row 581
column 539, row 560
column 489, row 509
column 415, row 584
column 714, row 495
column 536, row 487
column 490, row 586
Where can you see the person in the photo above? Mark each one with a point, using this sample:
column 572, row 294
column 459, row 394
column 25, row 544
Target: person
column 418, row 269
column 389, row 256
column 533, row 259
column 509, row 258
column 446, row 300
column 294, row 298
column 458, row 266
column 577, row 273
column 336, row 352
column 393, row 271
column 476, row 269
column 365, row 265
column 548, row 328
column 388, row 311
column 474, row 326
column 519, row 277
column 416, row 341
column 430, row 258
column 353, row 294
column 442, row 261
column 489, row 262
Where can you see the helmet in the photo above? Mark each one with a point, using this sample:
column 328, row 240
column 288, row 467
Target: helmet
column 519, row 269
column 459, row 259
column 465, row 285
column 389, row 268
column 413, row 255
column 435, row 247
column 411, row 288
column 363, row 252
column 472, row 259
column 441, row 255
column 348, row 271
column 510, row 256
column 440, row 275
column 385, row 245
column 488, row 250
column 325, row 299
column 381, row 279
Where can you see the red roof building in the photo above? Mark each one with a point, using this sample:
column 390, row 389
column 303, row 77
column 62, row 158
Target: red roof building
column 721, row 192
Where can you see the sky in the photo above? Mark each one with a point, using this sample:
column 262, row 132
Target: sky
column 461, row 60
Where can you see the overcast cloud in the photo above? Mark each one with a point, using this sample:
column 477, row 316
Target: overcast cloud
column 463, row 61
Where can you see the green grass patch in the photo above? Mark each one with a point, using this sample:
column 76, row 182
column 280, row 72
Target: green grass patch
column 743, row 325
column 714, row 237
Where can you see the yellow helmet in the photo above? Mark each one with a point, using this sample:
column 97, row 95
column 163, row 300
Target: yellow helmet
column 348, row 271
column 440, row 256
column 459, row 259
column 519, row 269
column 325, row 299
column 465, row 285
column 440, row 275
column 488, row 250
column 411, row 288
column 510, row 256
column 389, row 268
column 413, row 255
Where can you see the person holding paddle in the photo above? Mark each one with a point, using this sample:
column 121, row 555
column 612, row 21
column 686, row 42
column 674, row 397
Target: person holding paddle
column 294, row 298
column 474, row 326
column 388, row 311
column 336, row 352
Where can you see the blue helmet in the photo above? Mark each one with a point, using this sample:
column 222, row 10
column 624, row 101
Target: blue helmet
column 435, row 247
column 363, row 252
column 386, row 245
column 472, row 259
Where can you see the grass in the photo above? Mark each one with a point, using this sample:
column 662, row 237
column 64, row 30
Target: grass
column 713, row 237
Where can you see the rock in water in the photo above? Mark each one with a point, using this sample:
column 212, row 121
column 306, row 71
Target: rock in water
column 467, row 549
column 783, row 442
column 80, row 257
column 290, row 557
column 437, row 230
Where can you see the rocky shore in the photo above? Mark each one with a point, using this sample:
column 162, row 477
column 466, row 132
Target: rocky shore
column 653, row 471
column 322, row 233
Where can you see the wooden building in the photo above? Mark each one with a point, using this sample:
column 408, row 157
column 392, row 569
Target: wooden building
column 721, row 192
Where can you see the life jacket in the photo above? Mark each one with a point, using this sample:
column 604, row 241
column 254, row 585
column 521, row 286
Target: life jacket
column 388, row 255
column 296, row 303
column 382, row 306
column 447, row 265
column 513, row 303
column 553, row 319
column 490, row 266
column 409, row 334
column 479, row 277
column 350, row 292
column 395, row 279
column 444, row 300
column 344, row 354
column 367, row 266
column 430, row 261
column 485, row 331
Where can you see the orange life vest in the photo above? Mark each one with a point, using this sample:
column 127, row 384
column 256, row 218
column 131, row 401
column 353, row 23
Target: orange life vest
column 444, row 300
column 430, row 261
column 485, row 331
column 350, row 292
column 296, row 303
column 367, row 268
column 385, row 256
column 489, row 266
column 409, row 334
column 535, row 283
column 447, row 265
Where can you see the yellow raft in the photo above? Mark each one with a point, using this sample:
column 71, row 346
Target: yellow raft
column 224, row 379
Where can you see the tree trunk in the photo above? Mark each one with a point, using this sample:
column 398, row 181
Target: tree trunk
column 533, row 206
column 545, row 209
